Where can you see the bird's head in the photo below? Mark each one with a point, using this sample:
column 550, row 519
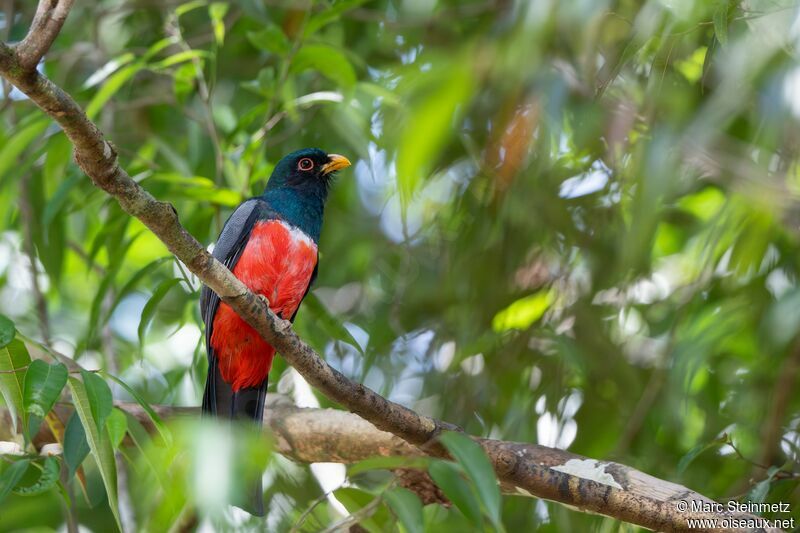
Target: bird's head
column 307, row 170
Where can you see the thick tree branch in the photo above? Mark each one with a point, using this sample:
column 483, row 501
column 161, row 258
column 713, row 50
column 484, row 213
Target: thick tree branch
column 607, row 488
column 50, row 16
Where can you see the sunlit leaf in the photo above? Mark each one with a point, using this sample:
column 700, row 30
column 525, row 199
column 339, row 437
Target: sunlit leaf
column 189, row 6
column 106, row 70
column 524, row 312
column 178, row 58
column 110, row 88
column 217, row 12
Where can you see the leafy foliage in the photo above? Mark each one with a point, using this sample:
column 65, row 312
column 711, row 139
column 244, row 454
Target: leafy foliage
column 571, row 223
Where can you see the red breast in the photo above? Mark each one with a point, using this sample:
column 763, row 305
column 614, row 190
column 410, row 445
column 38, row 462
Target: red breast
column 278, row 262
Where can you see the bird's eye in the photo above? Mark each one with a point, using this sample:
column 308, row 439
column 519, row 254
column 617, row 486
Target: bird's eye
column 305, row 164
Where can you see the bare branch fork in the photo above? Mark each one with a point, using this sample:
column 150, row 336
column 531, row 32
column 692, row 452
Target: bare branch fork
column 607, row 488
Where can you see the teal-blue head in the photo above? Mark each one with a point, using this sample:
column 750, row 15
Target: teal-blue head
column 298, row 187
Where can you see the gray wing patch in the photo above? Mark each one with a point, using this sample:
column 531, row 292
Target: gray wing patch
column 229, row 248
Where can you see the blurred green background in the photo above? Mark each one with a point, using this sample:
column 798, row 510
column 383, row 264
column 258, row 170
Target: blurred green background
column 570, row 223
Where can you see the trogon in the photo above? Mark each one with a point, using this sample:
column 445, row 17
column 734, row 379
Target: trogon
column 270, row 243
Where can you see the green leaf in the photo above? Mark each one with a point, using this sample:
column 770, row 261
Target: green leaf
column 76, row 448
column 217, row 12
column 449, row 477
column 99, row 445
column 117, row 427
column 100, row 400
column 11, row 476
column 59, row 199
column 332, row 14
column 43, row 385
column 473, row 460
column 157, row 422
column 47, row 479
column 133, row 282
column 329, row 323
column 434, row 115
column 759, row 491
column 189, row 6
column 180, row 57
column 12, row 148
column 407, row 507
column 721, row 22
column 690, row 456
column 108, row 69
column 152, row 305
column 387, row 463
column 522, row 313
column 7, row 331
column 328, row 61
column 13, row 359
column 270, row 39
column 110, row 88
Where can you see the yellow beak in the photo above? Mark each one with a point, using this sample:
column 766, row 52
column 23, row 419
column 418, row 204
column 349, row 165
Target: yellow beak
column 335, row 162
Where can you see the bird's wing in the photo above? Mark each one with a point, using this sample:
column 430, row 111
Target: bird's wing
column 229, row 248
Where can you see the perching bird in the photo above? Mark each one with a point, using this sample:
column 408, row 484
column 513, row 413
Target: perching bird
column 270, row 243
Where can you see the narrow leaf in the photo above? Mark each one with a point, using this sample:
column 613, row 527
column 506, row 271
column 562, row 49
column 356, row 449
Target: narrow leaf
column 157, row 422
column 473, row 460
column 75, row 446
column 6, row 331
column 133, row 282
column 449, row 477
column 152, row 305
column 12, row 475
column 217, row 12
column 329, row 323
column 387, row 463
column 100, row 400
column 18, row 143
column 407, row 507
column 721, row 22
column 13, row 359
column 110, row 88
column 99, row 445
column 117, row 426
